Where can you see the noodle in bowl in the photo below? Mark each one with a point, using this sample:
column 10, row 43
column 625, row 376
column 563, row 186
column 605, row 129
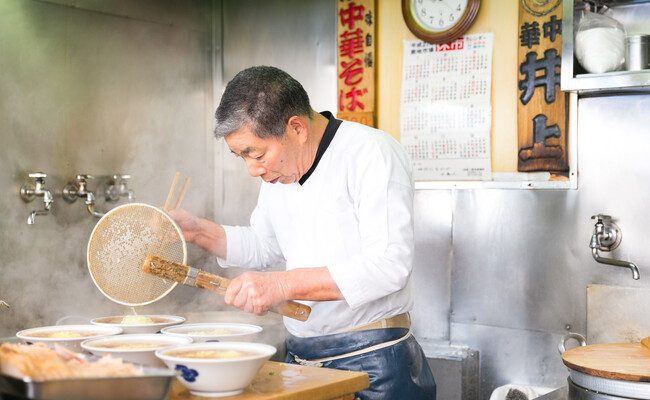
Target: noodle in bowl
column 139, row 323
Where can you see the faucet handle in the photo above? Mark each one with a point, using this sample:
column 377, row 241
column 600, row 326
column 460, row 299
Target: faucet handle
column 83, row 177
column 601, row 218
column 30, row 189
column 116, row 187
column 38, row 176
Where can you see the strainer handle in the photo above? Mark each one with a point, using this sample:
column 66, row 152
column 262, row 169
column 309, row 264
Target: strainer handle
column 293, row 309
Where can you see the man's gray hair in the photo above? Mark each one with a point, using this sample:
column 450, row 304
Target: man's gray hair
column 262, row 99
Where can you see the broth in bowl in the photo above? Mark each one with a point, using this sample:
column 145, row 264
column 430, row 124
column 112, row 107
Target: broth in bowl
column 215, row 332
column 133, row 345
column 64, row 334
column 69, row 336
column 211, row 354
column 137, row 348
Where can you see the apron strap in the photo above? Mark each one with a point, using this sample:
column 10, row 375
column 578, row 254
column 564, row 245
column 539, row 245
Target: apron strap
column 318, row 362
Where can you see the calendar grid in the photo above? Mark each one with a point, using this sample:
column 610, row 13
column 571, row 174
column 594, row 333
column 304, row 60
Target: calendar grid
column 445, row 115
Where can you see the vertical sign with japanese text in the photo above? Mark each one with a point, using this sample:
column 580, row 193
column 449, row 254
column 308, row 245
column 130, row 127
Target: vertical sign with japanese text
column 356, row 60
column 541, row 105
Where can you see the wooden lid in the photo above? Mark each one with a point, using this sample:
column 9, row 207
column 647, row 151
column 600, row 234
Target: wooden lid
column 645, row 342
column 622, row 361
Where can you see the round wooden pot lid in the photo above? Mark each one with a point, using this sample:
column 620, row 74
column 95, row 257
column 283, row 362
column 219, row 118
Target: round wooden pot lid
column 645, row 342
column 622, row 361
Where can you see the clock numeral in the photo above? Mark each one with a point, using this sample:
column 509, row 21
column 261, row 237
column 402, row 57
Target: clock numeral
column 451, row 17
column 458, row 8
column 441, row 22
column 424, row 12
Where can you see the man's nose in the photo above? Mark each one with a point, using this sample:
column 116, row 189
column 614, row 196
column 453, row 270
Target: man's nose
column 254, row 169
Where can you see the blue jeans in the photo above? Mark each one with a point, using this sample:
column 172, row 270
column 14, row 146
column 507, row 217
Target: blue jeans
column 396, row 372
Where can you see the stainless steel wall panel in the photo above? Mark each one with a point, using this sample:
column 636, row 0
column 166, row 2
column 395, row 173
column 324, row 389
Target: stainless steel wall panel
column 511, row 256
column 432, row 264
column 88, row 91
column 614, row 148
column 180, row 13
column 617, row 314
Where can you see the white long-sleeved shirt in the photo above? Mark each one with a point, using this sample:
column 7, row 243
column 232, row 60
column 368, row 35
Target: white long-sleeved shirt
column 353, row 215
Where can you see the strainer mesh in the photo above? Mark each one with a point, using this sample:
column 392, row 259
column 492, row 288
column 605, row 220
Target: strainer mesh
column 118, row 246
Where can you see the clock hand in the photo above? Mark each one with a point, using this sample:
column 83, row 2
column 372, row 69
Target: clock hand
column 447, row 5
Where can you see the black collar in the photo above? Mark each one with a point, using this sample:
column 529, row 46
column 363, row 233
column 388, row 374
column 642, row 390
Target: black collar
column 325, row 141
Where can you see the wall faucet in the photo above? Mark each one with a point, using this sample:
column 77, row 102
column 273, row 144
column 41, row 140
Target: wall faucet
column 79, row 188
column 29, row 191
column 117, row 187
column 606, row 237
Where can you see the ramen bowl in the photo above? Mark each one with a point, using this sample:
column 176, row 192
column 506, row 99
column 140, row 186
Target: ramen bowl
column 139, row 323
column 138, row 348
column 216, row 369
column 215, row 332
column 68, row 336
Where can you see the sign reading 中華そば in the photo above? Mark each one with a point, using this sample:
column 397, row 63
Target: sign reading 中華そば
column 356, row 60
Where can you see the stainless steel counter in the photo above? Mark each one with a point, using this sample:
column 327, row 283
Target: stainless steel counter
column 558, row 394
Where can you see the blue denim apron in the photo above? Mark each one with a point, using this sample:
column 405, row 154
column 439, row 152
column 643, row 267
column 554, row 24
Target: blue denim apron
column 396, row 372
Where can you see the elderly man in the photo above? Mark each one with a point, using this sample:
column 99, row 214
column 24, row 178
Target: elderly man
column 336, row 206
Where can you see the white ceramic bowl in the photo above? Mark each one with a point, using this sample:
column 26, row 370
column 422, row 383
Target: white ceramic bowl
column 215, row 332
column 159, row 322
column 66, row 335
column 217, row 377
column 137, row 348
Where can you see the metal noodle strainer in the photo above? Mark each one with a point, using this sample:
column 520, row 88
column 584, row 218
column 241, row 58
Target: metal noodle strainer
column 118, row 246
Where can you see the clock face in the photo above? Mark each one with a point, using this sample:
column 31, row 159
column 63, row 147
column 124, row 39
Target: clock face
column 438, row 15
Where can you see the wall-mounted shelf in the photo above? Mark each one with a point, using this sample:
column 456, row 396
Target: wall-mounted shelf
column 635, row 16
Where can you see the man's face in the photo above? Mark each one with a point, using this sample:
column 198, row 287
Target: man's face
column 273, row 160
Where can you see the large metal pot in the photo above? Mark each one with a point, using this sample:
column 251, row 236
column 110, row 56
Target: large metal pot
column 583, row 386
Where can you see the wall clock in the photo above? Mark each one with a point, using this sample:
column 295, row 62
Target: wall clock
column 439, row 21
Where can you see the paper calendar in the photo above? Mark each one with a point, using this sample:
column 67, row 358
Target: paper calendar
column 445, row 114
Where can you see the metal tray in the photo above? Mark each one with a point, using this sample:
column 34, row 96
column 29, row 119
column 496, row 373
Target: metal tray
column 152, row 385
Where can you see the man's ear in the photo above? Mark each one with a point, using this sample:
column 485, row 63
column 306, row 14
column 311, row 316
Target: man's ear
column 298, row 126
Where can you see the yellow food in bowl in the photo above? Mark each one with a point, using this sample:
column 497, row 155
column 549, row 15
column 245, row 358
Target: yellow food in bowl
column 136, row 320
column 62, row 334
column 212, row 332
column 211, row 354
column 132, row 345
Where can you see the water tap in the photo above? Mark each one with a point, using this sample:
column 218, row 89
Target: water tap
column 116, row 187
column 79, row 188
column 29, row 191
column 606, row 237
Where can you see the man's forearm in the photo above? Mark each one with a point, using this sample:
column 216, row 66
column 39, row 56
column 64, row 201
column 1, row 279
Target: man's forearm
column 314, row 284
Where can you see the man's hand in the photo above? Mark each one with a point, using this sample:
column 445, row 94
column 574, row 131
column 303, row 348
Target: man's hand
column 189, row 223
column 206, row 234
column 257, row 292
